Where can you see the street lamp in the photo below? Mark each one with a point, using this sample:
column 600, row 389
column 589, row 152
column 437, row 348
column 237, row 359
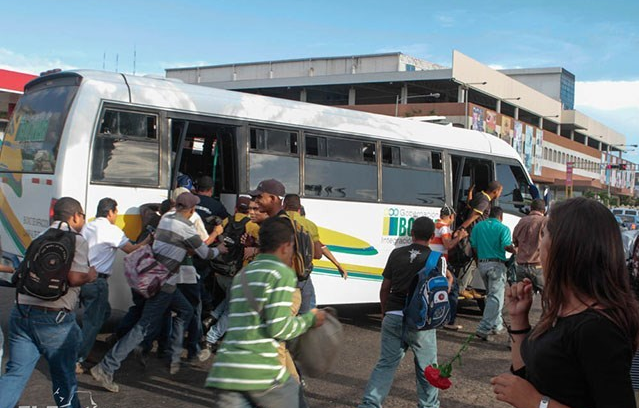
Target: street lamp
column 465, row 86
column 430, row 95
column 511, row 99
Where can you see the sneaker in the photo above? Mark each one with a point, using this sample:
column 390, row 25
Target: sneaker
column 204, row 355
column 481, row 335
column 453, row 327
column 498, row 331
column 467, row 294
column 78, row 368
column 174, row 368
column 207, row 323
column 140, row 356
column 105, row 379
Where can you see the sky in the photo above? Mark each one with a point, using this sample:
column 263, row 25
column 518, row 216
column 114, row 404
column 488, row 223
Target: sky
column 595, row 40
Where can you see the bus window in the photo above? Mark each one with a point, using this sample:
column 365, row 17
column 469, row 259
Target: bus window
column 34, row 131
column 340, row 168
column 408, row 176
column 516, row 195
column 126, row 149
column 274, row 154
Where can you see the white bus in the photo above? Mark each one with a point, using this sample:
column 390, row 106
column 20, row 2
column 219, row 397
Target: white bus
column 362, row 177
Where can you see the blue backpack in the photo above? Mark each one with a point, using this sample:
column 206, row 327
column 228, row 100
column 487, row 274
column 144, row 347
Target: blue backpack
column 427, row 305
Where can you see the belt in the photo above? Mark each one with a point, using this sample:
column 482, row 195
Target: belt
column 49, row 309
column 491, row 260
column 536, row 265
column 103, row 275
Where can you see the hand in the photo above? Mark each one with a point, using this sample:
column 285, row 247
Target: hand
column 222, row 248
column 519, row 297
column 147, row 240
column 516, row 391
column 462, row 233
column 243, row 238
column 92, row 274
column 320, row 316
column 343, row 272
column 218, row 230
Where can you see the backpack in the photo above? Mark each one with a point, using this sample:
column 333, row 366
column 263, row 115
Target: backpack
column 44, row 271
column 302, row 262
column 144, row 273
column 230, row 263
column 427, row 304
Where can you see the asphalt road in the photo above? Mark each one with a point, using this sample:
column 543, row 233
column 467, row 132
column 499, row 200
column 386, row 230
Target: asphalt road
column 342, row 387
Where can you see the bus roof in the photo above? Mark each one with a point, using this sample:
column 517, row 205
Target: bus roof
column 176, row 96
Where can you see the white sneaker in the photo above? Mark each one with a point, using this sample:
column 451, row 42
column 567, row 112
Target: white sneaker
column 105, row 379
column 204, row 355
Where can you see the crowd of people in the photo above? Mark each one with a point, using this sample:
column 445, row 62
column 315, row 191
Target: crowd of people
column 236, row 291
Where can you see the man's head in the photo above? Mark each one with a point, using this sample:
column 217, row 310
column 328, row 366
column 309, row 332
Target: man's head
column 205, row 186
column 185, row 204
column 446, row 213
column 494, row 189
column 292, row 202
column 268, row 196
column 276, row 237
column 538, row 205
column 497, row 212
column 69, row 210
column 242, row 204
column 423, row 229
column 255, row 214
column 107, row 208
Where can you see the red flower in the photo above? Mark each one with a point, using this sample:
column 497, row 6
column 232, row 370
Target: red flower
column 433, row 376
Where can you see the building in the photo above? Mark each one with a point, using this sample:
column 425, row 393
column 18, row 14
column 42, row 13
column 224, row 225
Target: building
column 11, row 87
column 532, row 109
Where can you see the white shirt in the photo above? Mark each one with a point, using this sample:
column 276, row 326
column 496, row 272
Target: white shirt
column 104, row 240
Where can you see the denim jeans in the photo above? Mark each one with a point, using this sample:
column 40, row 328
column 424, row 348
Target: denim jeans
column 191, row 292
column 94, row 297
column 152, row 316
column 283, row 395
column 1, row 349
column 494, row 277
column 132, row 316
column 55, row 335
column 308, row 295
column 453, row 299
column 395, row 341
column 216, row 331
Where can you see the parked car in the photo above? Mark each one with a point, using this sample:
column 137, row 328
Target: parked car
column 631, row 222
column 625, row 211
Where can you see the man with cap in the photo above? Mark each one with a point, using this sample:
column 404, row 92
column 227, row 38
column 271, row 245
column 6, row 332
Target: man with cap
column 208, row 207
column 443, row 241
column 174, row 238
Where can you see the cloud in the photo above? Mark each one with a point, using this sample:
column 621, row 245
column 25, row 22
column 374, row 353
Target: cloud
column 29, row 63
column 608, row 95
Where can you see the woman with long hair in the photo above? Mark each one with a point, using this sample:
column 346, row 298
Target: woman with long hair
column 579, row 353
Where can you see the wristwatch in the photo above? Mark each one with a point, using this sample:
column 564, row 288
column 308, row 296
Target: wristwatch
column 544, row 402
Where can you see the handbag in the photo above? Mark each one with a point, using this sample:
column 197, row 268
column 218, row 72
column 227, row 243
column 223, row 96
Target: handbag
column 144, row 273
column 315, row 351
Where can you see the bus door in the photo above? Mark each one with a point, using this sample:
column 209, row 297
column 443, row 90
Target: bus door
column 200, row 148
column 470, row 176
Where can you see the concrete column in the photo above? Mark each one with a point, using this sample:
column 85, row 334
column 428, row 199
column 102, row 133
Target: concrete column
column 516, row 113
column 303, row 95
column 572, row 135
column 404, row 95
column 352, row 96
column 585, row 140
column 541, row 123
column 461, row 94
column 559, row 130
column 498, row 106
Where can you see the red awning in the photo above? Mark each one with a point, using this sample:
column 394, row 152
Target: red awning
column 13, row 81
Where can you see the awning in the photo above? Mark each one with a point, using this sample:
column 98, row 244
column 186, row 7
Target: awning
column 14, row 82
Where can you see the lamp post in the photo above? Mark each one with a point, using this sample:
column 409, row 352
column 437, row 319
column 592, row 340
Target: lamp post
column 430, row 95
column 466, row 86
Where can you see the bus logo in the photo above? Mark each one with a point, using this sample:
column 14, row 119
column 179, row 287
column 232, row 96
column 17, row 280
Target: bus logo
column 396, row 225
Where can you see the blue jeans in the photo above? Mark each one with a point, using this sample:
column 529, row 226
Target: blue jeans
column 55, row 335
column 308, row 295
column 1, row 349
column 453, row 299
column 152, row 316
column 283, row 395
column 94, row 297
column 216, row 331
column 192, row 293
column 494, row 276
column 393, row 349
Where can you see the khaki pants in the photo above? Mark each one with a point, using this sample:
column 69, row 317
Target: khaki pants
column 282, row 352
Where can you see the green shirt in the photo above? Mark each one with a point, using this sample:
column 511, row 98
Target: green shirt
column 489, row 238
column 247, row 358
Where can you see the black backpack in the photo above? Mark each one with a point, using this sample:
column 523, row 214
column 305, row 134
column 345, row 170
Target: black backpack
column 44, row 271
column 230, row 263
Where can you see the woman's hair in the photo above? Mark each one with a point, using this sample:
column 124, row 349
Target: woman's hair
column 586, row 256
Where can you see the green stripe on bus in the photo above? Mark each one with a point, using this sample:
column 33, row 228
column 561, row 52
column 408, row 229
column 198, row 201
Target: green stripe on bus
column 354, row 251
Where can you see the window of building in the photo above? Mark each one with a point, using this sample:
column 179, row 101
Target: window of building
column 412, row 176
column 340, row 168
column 126, row 149
column 274, row 155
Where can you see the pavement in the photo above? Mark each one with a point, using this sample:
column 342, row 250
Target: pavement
column 341, row 387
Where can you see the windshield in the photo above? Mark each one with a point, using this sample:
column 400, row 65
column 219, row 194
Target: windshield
column 33, row 135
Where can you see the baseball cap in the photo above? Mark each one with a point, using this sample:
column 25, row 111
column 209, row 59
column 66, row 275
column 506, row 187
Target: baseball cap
column 176, row 192
column 446, row 210
column 186, row 201
column 270, row 186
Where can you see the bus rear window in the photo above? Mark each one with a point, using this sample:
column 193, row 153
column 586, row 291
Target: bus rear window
column 33, row 136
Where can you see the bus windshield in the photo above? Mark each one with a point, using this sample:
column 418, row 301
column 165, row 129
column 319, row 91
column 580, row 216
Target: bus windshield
column 33, row 135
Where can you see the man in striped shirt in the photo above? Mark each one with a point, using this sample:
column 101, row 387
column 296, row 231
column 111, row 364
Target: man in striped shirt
column 247, row 371
column 174, row 238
